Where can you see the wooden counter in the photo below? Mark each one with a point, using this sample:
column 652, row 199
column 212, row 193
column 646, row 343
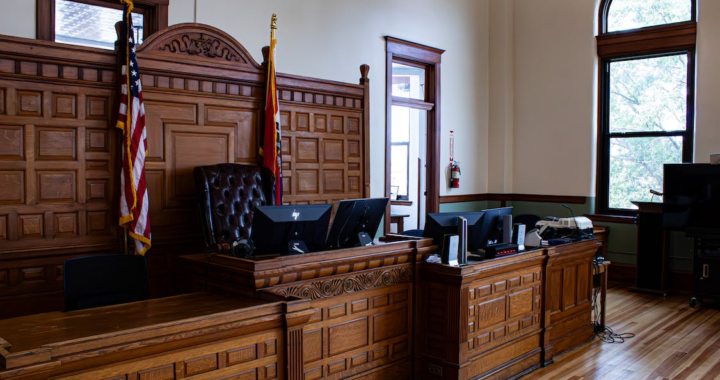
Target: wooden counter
column 167, row 338
column 364, row 299
column 375, row 312
column 499, row 318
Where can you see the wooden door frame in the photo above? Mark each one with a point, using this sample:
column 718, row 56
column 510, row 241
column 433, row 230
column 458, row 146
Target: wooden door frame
column 428, row 58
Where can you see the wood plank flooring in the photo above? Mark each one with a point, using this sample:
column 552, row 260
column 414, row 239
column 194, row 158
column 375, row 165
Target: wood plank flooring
column 673, row 341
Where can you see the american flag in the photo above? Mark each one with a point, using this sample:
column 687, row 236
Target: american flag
column 131, row 120
column 272, row 141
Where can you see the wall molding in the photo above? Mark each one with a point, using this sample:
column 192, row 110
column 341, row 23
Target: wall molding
column 513, row 197
column 624, row 274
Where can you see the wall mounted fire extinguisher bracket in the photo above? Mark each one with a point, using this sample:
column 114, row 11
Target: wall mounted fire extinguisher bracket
column 454, row 165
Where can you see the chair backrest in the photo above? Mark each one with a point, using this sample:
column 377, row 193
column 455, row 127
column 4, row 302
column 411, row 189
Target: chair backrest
column 104, row 280
column 227, row 195
column 529, row 220
column 416, row 233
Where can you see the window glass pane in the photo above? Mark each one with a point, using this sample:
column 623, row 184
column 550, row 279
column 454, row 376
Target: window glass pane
column 649, row 94
column 632, row 14
column 636, row 166
column 90, row 25
column 399, row 172
column 401, row 119
column 408, row 81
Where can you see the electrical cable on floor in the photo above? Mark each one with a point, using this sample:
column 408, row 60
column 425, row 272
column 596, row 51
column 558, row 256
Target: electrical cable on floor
column 605, row 333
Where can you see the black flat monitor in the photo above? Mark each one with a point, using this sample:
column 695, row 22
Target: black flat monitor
column 491, row 232
column 290, row 230
column 356, row 222
column 439, row 224
column 691, row 197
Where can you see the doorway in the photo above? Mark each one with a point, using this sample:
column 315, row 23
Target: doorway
column 412, row 134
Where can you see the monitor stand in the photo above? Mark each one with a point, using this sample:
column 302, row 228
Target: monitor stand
column 297, row 247
column 364, row 239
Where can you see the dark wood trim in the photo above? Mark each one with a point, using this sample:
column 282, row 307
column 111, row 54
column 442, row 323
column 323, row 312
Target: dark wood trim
column 45, row 20
column 622, row 219
column 155, row 14
column 463, row 198
column 679, row 280
column 622, row 273
column 412, row 51
column 660, row 39
column 401, row 203
column 428, row 58
column 548, row 198
column 513, row 197
column 365, row 81
column 676, row 38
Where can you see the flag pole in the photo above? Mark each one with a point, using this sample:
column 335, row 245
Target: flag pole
column 273, row 26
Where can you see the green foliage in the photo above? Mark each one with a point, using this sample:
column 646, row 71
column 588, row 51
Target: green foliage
column 631, row 14
column 646, row 95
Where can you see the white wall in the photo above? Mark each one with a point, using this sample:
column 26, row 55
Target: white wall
column 555, row 97
column 500, row 129
column 555, row 116
column 519, row 78
column 18, row 18
column 331, row 39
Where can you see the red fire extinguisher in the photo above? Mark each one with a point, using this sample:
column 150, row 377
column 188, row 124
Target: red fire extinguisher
column 455, row 175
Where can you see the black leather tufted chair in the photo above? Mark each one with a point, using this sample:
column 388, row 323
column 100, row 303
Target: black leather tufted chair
column 228, row 195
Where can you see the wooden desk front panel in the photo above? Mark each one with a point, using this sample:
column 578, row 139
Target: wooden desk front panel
column 249, row 357
column 358, row 332
column 568, row 302
column 502, row 319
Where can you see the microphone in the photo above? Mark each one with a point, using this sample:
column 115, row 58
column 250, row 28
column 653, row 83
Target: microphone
column 575, row 219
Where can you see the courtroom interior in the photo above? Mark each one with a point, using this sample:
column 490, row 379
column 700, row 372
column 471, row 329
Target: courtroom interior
column 399, row 189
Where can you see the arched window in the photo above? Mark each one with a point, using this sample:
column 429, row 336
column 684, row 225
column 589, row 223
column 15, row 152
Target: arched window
column 622, row 15
column 646, row 112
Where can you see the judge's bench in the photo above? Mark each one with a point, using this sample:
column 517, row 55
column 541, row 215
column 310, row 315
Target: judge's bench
column 371, row 312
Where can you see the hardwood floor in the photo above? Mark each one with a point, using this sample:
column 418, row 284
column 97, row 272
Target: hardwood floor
column 673, row 341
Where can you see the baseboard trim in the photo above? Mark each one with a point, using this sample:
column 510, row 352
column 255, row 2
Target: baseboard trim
column 679, row 280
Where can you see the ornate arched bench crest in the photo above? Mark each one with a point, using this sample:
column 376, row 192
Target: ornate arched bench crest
column 198, row 40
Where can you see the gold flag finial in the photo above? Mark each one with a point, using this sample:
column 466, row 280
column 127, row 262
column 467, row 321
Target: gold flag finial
column 273, row 22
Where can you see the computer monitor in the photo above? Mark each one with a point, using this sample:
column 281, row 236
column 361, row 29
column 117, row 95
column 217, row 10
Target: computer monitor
column 439, row 224
column 691, row 197
column 290, row 230
column 356, row 222
column 491, row 231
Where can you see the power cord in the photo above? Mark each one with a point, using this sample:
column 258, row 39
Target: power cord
column 605, row 333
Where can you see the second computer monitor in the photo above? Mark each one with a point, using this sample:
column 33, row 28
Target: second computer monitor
column 439, row 224
column 492, row 226
column 356, row 222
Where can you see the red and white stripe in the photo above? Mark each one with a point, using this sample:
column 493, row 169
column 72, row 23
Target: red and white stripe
column 134, row 194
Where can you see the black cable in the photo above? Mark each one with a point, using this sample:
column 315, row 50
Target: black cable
column 605, row 333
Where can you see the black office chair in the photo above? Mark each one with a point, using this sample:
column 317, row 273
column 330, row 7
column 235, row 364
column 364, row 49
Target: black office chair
column 104, row 280
column 416, row 233
column 529, row 220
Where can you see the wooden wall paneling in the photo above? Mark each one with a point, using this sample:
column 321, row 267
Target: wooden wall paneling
column 58, row 160
column 56, row 174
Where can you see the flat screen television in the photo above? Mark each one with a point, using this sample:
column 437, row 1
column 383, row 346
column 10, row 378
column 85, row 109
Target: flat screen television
column 290, row 230
column 356, row 222
column 439, row 224
column 691, row 196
